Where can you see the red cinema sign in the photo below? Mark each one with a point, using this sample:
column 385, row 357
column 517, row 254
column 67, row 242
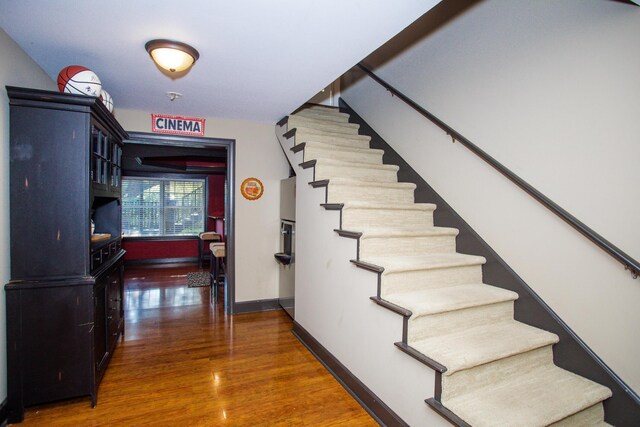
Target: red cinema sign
column 176, row 125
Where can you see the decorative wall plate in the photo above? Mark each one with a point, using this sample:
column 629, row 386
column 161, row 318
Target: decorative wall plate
column 252, row 188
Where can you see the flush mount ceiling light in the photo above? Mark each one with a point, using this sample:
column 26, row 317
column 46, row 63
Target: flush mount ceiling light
column 171, row 55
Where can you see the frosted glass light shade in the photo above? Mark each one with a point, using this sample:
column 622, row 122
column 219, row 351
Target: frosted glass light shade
column 172, row 56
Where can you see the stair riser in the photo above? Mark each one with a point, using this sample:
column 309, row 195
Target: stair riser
column 407, row 245
column 591, row 416
column 347, row 193
column 475, row 379
column 458, row 320
column 324, row 115
column 312, row 153
column 364, row 174
column 323, row 125
column 433, row 278
column 364, row 219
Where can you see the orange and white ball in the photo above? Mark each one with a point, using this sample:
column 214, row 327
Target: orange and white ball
column 79, row 80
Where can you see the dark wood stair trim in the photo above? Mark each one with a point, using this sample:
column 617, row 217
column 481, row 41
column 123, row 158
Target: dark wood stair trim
column 283, row 121
column 371, row 403
column 333, row 206
column 368, row 266
column 290, row 133
column 421, row 357
column 446, row 413
column 348, row 234
column 308, row 164
column 318, row 184
column 298, row 147
column 391, row 306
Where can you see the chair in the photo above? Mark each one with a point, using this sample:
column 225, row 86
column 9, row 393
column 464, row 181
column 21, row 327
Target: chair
column 205, row 237
column 217, row 267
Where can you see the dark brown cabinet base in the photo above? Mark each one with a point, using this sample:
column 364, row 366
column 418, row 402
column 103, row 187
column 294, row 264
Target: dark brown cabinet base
column 60, row 337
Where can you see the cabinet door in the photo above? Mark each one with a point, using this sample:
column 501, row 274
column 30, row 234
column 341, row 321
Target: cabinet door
column 116, row 168
column 100, row 154
column 49, row 218
column 56, row 343
column 114, row 308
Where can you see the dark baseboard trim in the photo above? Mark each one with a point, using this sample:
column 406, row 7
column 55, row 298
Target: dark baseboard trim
column 447, row 414
column 4, row 413
column 367, row 399
column 256, row 306
column 153, row 261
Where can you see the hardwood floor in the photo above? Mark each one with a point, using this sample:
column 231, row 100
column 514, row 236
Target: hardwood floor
column 184, row 362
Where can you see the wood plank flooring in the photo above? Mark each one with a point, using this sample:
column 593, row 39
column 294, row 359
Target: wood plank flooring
column 184, row 362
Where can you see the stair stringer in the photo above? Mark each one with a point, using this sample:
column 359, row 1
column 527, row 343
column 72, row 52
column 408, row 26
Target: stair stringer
column 333, row 305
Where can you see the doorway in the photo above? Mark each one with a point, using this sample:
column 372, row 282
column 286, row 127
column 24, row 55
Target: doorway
column 153, row 154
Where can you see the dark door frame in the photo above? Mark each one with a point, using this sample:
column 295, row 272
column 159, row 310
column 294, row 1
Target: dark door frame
column 208, row 145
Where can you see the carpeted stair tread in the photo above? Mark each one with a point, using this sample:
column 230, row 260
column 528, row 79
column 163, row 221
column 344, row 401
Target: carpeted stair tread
column 394, row 264
column 325, row 110
column 347, row 164
column 427, row 207
column 483, row 344
column 331, row 117
column 333, row 141
column 378, row 232
column 538, row 397
column 361, row 216
column 312, row 123
column 330, row 169
column 425, row 302
column 361, row 183
column 345, row 133
column 321, row 120
column 314, row 150
column 341, row 189
column 341, row 148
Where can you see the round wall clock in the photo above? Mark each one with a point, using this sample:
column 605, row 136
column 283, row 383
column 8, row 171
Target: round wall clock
column 252, row 188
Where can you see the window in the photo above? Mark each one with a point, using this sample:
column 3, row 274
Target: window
column 162, row 207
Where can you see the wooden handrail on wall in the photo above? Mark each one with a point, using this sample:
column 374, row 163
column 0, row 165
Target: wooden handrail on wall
column 629, row 263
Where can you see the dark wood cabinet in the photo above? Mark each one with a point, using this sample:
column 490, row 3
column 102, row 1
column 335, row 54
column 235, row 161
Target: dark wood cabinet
column 64, row 301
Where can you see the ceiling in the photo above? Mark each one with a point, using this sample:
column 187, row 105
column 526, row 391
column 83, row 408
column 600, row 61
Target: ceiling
column 259, row 60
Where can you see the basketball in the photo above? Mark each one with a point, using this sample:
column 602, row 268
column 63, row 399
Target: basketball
column 79, row 80
column 106, row 100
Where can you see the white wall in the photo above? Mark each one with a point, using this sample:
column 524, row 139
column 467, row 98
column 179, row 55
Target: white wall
column 551, row 90
column 257, row 223
column 16, row 69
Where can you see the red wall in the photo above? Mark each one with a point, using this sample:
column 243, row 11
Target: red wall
column 153, row 249
column 216, row 195
column 216, row 203
column 157, row 249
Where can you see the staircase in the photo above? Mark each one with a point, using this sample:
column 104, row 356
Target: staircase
column 490, row 369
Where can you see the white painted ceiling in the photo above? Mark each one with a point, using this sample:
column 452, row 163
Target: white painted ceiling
column 259, row 59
